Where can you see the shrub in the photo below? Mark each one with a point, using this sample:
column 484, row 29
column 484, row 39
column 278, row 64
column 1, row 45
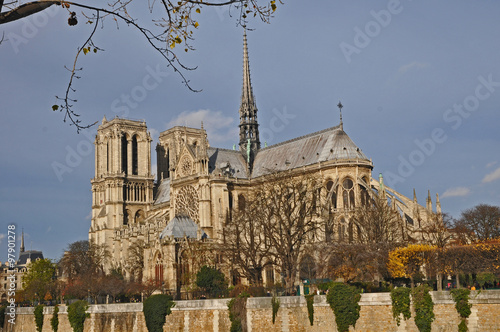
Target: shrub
column 211, row 280
column 275, row 303
column 461, row 298
column 310, row 307
column 156, row 308
column 77, row 315
column 400, row 298
column 39, row 317
column 54, row 321
column 424, row 314
column 343, row 300
column 237, row 312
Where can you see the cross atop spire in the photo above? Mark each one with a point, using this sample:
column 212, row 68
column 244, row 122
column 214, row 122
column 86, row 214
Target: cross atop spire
column 249, row 127
column 340, row 106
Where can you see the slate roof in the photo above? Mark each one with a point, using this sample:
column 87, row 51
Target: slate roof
column 181, row 226
column 163, row 194
column 226, row 162
column 329, row 144
column 32, row 254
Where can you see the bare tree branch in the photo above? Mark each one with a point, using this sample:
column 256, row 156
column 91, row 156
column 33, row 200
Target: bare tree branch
column 173, row 28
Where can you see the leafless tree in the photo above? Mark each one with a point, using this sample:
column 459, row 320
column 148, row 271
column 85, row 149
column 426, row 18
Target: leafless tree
column 285, row 210
column 437, row 231
column 245, row 241
column 483, row 220
column 377, row 222
column 172, row 25
column 83, row 260
column 135, row 260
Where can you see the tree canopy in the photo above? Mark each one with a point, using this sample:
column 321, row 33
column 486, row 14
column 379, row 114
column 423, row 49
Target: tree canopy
column 39, row 280
column 482, row 220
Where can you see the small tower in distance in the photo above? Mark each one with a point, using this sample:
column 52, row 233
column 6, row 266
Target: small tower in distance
column 21, row 249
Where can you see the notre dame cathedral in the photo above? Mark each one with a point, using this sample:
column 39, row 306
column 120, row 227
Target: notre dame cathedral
column 198, row 184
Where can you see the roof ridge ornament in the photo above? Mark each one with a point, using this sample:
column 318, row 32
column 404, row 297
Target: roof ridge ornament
column 340, row 106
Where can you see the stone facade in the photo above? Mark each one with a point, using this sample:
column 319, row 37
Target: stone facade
column 213, row 315
column 205, row 183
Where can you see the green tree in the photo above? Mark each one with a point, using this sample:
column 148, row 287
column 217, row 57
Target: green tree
column 39, row 279
column 211, row 280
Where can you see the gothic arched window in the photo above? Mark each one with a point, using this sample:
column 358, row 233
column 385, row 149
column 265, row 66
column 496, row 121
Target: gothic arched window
column 135, row 160
column 124, row 154
column 241, row 202
column 348, row 193
column 333, row 199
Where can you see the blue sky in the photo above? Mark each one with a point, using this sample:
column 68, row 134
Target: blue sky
column 419, row 80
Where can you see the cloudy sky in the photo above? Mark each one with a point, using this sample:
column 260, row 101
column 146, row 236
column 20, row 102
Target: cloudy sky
column 419, row 80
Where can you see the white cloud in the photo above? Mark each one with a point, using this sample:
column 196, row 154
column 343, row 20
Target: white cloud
column 403, row 69
column 48, row 229
column 2, row 236
column 493, row 176
column 458, row 191
column 488, row 165
column 220, row 128
column 89, row 216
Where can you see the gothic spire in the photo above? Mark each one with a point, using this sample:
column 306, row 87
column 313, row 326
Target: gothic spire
column 249, row 127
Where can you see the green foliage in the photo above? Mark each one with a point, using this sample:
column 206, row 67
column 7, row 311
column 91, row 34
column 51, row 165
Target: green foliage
column 156, row 308
column 211, row 280
column 39, row 278
column 275, row 303
column 323, row 286
column 310, row 307
column 54, row 321
column 77, row 315
column 462, row 327
column 39, row 317
column 400, row 298
column 424, row 314
column 237, row 312
column 461, row 298
column 483, row 278
column 343, row 300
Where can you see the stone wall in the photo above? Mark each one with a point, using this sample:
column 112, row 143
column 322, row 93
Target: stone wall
column 212, row 315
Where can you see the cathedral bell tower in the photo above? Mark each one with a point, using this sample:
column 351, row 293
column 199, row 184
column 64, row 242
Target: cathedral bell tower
column 122, row 188
column 249, row 127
